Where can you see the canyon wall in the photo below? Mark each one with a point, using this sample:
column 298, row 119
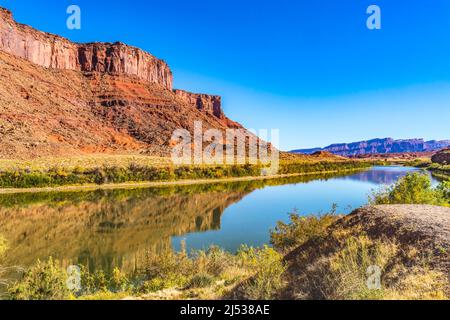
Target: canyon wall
column 56, row 52
column 206, row 103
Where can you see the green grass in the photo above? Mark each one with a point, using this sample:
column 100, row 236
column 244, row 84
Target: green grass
column 61, row 176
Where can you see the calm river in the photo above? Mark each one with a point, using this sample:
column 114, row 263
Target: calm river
column 105, row 229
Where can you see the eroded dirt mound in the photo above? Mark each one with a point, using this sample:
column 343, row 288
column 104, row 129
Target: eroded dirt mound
column 424, row 226
column 410, row 243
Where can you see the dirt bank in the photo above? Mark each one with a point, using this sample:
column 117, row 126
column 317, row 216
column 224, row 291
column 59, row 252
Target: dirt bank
column 410, row 243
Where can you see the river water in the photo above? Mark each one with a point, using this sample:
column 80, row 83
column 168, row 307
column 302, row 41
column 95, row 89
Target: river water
column 120, row 228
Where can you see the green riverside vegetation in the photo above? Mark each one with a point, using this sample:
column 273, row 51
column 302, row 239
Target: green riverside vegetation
column 414, row 188
column 59, row 176
column 26, row 199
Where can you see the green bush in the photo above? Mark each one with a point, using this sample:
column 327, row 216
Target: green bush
column 299, row 230
column 414, row 188
column 201, row 280
column 44, row 281
column 3, row 246
column 158, row 284
column 268, row 267
column 444, row 188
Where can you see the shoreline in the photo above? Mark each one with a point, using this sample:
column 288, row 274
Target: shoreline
column 162, row 184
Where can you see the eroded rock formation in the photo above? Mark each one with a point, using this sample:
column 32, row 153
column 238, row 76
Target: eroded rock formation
column 442, row 157
column 207, row 103
column 52, row 51
column 60, row 98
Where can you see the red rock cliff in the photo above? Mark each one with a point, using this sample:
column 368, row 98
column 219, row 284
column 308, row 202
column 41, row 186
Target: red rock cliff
column 52, row 51
column 203, row 102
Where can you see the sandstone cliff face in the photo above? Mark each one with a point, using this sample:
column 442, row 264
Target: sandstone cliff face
column 55, row 52
column 59, row 98
column 203, row 102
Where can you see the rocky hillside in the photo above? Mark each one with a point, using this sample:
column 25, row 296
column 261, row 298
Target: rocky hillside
column 62, row 98
column 442, row 157
column 380, row 146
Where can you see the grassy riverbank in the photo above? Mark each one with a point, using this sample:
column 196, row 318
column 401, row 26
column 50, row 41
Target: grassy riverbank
column 331, row 254
column 134, row 174
column 439, row 170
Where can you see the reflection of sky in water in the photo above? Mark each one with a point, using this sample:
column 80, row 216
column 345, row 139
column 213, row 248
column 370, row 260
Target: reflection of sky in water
column 250, row 220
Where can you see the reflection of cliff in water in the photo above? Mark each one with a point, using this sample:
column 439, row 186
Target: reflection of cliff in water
column 104, row 229
column 111, row 231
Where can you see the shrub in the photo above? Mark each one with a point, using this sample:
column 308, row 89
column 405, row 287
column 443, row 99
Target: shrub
column 414, row 188
column 44, row 281
column 214, row 261
column 61, row 176
column 268, row 267
column 119, row 281
column 158, row 284
column 201, row 280
column 299, row 230
column 3, row 247
column 444, row 187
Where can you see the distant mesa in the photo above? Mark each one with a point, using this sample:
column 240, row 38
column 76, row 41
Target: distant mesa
column 380, row 146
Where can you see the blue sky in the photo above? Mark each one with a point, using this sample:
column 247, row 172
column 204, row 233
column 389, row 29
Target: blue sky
column 309, row 68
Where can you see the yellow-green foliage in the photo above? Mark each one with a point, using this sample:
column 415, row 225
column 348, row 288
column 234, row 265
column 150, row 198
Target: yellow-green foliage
column 419, row 283
column 204, row 274
column 3, row 246
column 444, row 187
column 347, row 272
column 442, row 168
column 64, row 174
column 44, row 281
column 347, row 275
column 300, row 229
column 268, row 266
column 414, row 188
column 178, row 270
